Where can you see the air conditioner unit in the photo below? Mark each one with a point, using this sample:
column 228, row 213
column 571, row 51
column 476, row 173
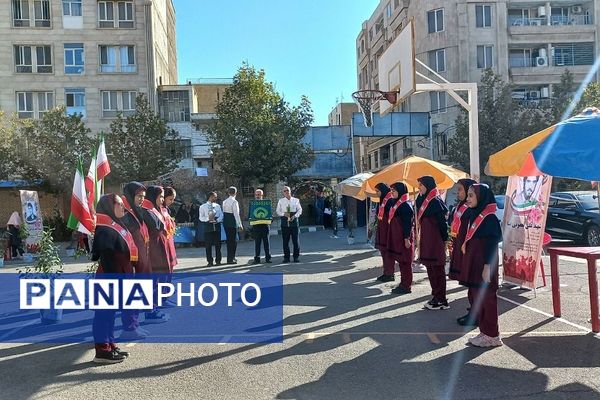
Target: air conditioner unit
column 576, row 10
column 534, row 95
column 541, row 11
column 541, row 61
column 545, row 92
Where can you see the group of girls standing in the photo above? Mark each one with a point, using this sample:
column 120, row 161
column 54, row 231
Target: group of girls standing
column 134, row 234
column 474, row 233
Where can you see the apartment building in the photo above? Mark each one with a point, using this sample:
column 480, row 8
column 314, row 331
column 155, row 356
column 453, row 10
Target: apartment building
column 529, row 43
column 190, row 110
column 92, row 56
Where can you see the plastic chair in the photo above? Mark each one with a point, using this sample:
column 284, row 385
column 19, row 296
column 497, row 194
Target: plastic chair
column 546, row 239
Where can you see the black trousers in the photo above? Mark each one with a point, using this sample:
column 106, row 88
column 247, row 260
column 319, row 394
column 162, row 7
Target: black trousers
column 287, row 233
column 261, row 236
column 230, row 233
column 213, row 239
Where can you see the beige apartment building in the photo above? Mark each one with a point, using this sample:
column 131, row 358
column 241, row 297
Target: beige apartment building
column 529, row 43
column 92, row 56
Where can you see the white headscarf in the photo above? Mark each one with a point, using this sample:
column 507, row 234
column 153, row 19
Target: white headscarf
column 14, row 219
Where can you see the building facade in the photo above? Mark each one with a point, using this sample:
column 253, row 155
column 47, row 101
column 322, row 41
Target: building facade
column 529, row 43
column 94, row 57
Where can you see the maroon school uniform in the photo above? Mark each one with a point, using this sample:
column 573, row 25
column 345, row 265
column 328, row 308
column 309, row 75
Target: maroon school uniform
column 401, row 217
column 158, row 245
column 383, row 227
column 170, row 227
column 433, row 233
column 457, row 241
column 480, row 248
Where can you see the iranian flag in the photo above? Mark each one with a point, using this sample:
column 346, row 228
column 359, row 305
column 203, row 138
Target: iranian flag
column 102, row 165
column 91, row 185
column 81, row 218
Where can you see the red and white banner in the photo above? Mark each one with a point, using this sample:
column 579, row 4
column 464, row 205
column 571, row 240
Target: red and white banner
column 523, row 226
column 32, row 219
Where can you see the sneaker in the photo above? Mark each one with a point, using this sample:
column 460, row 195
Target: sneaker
column 121, row 352
column 268, row 261
column 218, row 263
column 400, row 290
column 209, row 264
column 486, row 341
column 386, row 278
column 156, row 317
column 296, row 260
column 418, row 268
column 470, row 341
column 437, row 305
column 285, row 261
column 134, row 334
column 234, row 261
column 108, row 357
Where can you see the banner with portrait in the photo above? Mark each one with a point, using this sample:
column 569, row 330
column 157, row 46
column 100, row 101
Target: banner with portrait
column 32, row 219
column 523, row 227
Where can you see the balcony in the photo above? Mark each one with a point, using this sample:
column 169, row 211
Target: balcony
column 559, row 28
column 555, row 20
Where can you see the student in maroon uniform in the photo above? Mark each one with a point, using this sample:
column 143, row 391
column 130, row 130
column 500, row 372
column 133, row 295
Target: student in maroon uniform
column 170, row 195
column 480, row 261
column 159, row 250
column 116, row 252
column 381, row 239
column 459, row 220
column 433, row 233
column 133, row 196
column 400, row 237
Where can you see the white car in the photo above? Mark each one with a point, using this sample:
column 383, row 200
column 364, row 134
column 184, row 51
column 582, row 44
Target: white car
column 500, row 200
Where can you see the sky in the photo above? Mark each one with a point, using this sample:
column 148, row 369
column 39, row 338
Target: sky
column 306, row 47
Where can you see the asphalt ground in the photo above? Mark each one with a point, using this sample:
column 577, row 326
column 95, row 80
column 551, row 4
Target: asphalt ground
column 345, row 337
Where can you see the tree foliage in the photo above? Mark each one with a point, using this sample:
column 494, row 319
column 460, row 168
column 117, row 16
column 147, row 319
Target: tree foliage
column 48, row 148
column 141, row 146
column 503, row 121
column 257, row 135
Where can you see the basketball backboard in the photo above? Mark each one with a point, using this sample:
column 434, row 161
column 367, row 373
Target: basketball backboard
column 397, row 68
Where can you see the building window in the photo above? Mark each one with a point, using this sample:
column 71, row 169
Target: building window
column 438, row 102
column 125, row 14
column 442, row 141
column 34, row 104
column 117, row 59
column 396, row 4
column 20, row 10
column 437, row 60
column 75, row 101
column 376, row 158
column 484, row 57
column 483, row 16
column 370, row 34
column 24, row 61
column 435, row 20
column 566, row 54
column 174, row 105
column 41, row 12
column 107, row 10
column 72, row 8
column 388, row 10
column 74, row 58
column 114, row 102
column 385, row 155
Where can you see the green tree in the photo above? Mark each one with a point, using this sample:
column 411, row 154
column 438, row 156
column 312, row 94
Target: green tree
column 497, row 126
column 48, row 148
column 9, row 128
column 589, row 98
column 141, row 145
column 257, row 135
column 562, row 97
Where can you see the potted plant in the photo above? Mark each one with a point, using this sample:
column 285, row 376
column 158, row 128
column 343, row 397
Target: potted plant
column 24, row 234
column 47, row 265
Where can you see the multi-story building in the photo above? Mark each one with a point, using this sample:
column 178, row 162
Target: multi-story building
column 94, row 57
column 190, row 110
column 529, row 43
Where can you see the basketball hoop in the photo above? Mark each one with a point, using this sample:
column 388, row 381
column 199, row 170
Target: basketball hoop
column 366, row 99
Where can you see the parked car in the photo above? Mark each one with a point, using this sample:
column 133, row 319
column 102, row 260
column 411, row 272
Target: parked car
column 574, row 216
column 500, row 199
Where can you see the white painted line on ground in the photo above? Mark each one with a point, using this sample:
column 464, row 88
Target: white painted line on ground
column 312, row 229
column 583, row 328
column 225, row 341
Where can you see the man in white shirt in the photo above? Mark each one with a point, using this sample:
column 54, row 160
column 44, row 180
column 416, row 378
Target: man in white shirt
column 211, row 216
column 232, row 223
column 289, row 209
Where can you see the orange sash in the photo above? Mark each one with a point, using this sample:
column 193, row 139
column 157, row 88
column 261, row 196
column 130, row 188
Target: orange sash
column 382, row 205
column 455, row 226
column 143, row 227
column 403, row 199
column 105, row 220
column 430, row 196
column 488, row 210
column 147, row 204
